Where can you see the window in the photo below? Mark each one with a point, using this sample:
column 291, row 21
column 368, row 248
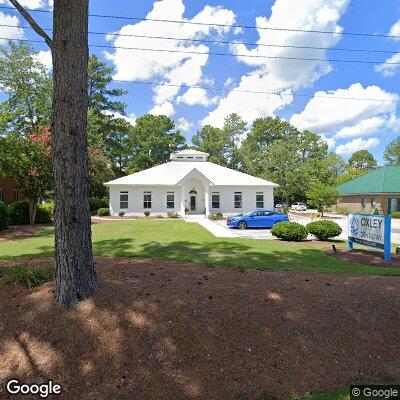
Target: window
column 259, row 200
column 373, row 203
column 238, row 200
column 16, row 195
column 215, row 200
column 171, row 200
column 147, row 200
column 363, row 203
column 1, row 195
column 123, row 200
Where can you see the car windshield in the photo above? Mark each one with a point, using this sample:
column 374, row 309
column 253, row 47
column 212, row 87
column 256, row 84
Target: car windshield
column 248, row 214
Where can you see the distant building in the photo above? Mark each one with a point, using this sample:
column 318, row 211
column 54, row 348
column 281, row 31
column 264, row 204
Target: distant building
column 377, row 189
column 189, row 184
column 9, row 191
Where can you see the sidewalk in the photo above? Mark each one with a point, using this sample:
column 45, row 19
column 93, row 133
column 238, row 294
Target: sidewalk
column 217, row 230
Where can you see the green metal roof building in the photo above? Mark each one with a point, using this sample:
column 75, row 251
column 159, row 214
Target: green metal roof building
column 377, row 189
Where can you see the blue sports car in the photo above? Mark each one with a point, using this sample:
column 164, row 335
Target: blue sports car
column 257, row 219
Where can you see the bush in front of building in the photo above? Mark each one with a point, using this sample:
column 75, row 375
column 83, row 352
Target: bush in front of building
column 395, row 214
column 290, row 231
column 216, row 217
column 4, row 216
column 103, row 212
column 97, row 202
column 45, row 213
column 121, row 214
column 324, row 230
column 147, row 213
column 19, row 213
column 172, row 214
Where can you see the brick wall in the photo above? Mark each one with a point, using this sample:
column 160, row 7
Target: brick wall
column 8, row 190
column 353, row 203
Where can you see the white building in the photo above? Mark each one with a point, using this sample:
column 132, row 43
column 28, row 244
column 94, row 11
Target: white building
column 189, row 184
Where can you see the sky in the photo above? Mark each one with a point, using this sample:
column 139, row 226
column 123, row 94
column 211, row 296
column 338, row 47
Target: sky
column 234, row 49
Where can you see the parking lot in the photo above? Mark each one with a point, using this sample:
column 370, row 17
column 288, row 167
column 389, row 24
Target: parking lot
column 342, row 220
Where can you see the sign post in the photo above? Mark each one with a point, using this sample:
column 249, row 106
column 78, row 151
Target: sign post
column 370, row 230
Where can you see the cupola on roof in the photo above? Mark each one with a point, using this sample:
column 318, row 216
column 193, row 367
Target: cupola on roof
column 189, row 155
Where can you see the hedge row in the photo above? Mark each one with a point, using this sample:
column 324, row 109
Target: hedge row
column 18, row 214
column 294, row 232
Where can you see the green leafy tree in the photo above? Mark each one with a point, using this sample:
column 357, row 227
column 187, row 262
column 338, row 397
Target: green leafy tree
column 282, row 166
column 351, row 173
column 151, row 141
column 311, row 145
column 100, row 171
column 234, row 130
column 28, row 89
column 322, row 196
column 263, row 133
column 392, row 152
column 28, row 160
column 107, row 130
column 211, row 140
column 362, row 160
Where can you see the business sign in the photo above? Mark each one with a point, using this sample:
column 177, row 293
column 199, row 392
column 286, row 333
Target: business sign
column 370, row 230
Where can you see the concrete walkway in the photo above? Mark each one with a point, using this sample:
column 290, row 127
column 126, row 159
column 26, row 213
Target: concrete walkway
column 217, row 230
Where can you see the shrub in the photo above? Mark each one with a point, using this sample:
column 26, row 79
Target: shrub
column 45, row 213
column 103, row 212
column 172, row 214
column 147, row 213
column 27, row 275
column 376, row 211
column 97, row 202
column 324, row 230
column 395, row 214
column 341, row 210
column 216, row 217
column 291, row 231
column 4, row 216
column 121, row 214
column 19, row 213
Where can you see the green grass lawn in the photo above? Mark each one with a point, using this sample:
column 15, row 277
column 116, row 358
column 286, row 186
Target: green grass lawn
column 178, row 240
column 340, row 394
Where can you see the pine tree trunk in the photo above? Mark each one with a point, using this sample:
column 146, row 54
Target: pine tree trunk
column 75, row 274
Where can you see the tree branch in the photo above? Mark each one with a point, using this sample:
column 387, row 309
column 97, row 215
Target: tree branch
column 32, row 23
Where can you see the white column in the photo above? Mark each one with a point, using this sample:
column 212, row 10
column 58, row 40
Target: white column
column 182, row 201
column 207, row 199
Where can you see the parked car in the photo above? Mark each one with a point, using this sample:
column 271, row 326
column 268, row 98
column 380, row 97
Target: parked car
column 257, row 219
column 280, row 205
column 298, row 207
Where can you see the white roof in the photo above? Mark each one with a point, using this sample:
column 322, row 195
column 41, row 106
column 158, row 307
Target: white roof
column 171, row 173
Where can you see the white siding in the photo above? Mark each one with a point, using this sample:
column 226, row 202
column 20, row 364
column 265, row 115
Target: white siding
column 135, row 199
column 159, row 198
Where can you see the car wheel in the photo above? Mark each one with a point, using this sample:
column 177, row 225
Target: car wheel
column 242, row 225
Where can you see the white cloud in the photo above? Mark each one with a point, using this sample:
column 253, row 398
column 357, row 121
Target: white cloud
column 279, row 75
column 173, row 68
column 44, row 57
column 355, row 145
column 365, row 127
column 9, row 32
column 166, row 108
column 390, row 66
column 318, row 115
column 34, row 4
column 395, row 30
column 329, row 141
column 131, row 118
column 197, row 96
column 184, row 125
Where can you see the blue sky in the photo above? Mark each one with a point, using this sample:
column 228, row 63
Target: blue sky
column 347, row 124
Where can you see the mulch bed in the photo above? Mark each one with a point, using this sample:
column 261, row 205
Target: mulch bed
column 167, row 330
column 368, row 257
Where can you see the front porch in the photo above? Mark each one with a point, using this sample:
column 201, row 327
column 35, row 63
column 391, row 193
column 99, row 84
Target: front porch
column 195, row 195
